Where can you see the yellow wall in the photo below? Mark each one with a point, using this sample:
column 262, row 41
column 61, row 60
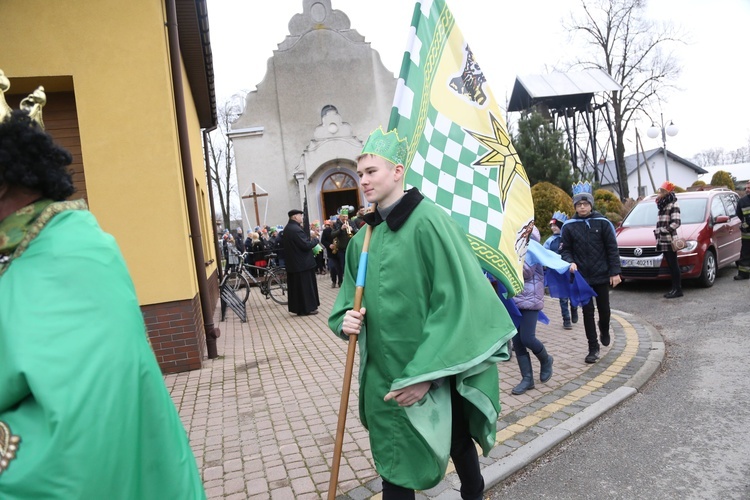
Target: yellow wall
column 117, row 55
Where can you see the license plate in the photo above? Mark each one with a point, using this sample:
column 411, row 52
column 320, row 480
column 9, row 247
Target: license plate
column 637, row 262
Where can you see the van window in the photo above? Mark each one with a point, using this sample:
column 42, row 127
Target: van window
column 730, row 203
column 717, row 207
column 692, row 211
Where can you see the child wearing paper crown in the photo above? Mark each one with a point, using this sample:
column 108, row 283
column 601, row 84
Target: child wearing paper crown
column 569, row 313
column 431, row 331
column 589, row 244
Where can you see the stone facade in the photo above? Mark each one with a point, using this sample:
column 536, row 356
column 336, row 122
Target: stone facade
column 324, row 91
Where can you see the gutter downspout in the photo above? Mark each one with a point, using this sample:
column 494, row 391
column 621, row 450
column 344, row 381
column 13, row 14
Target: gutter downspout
column 189, row 179
column 207, row 160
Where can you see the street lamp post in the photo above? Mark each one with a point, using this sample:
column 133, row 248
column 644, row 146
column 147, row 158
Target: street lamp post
column 670, row 130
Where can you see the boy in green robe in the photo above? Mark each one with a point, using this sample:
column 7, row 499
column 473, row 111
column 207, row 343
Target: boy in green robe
column 84, row 412
column 431, row 330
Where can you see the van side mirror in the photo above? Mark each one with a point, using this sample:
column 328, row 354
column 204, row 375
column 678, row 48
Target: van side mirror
column 720, row 219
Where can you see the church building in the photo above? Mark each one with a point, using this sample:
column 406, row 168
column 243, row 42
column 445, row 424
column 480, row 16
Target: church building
column 324, row 91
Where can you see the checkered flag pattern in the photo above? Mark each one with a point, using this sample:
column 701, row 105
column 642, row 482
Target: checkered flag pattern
column 442, row 171
column 449, row 117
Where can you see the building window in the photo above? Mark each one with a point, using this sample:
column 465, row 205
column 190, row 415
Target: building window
column 338, row 181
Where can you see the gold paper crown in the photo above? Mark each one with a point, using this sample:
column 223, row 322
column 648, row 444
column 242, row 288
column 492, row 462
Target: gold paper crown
column 388, row 146
column 32, row 104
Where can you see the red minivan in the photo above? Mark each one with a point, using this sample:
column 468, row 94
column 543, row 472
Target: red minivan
column 710, row 226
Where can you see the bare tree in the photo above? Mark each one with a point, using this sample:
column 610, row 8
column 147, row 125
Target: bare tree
column 717, row 156
column 709, row 157
column 739, row 155
column 222, row 167
column 634, row 52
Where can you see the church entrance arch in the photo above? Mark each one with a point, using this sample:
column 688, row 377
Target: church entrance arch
column 339, row 188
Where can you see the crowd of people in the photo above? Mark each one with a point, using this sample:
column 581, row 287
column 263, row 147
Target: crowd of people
column 259, row 245
column 264, row 243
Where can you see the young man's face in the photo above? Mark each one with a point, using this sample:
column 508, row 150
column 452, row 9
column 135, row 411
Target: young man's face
column 583, row 208
column 382, row 182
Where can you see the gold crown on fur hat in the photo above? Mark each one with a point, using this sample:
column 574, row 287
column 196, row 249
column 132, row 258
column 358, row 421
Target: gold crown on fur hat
column 32, row 104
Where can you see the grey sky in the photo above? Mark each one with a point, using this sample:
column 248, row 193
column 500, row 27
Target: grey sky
column 522, row 37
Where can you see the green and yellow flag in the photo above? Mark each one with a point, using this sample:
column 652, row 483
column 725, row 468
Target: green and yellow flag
column 460, row 154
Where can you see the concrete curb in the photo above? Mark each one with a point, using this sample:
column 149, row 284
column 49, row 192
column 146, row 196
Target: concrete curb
column 532, row 451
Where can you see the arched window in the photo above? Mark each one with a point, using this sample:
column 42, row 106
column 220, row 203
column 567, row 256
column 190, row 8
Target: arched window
column 326, row 109
column 339, row 180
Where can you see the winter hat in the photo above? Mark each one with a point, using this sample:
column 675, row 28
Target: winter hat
column 582, row 191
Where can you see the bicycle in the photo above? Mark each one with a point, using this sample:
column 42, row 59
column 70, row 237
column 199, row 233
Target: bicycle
column 270, row 280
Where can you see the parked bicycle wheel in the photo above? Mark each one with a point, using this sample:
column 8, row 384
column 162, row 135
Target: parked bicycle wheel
column 239, row 284
column 277, row 290
column 280, row 273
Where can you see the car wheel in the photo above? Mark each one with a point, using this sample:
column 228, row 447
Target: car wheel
column 708, row 276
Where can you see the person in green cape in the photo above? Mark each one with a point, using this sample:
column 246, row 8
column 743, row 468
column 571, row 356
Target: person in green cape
column 431, row 330
column 84, row 412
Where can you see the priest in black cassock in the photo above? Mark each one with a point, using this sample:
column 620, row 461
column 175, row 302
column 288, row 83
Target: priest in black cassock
column 300, row 267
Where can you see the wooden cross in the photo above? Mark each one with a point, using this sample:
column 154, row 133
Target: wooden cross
column 255, row 195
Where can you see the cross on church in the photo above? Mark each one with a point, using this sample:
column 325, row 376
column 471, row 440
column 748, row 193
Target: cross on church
column 255, row 195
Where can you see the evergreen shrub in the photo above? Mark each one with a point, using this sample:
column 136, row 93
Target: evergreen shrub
column 607, row 202
column 548, row 199
column 722, row 178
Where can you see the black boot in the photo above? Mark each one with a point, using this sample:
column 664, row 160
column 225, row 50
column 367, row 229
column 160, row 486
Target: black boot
column 592, row 356
column 592, row 339
column 527, row 374
column 604, row 334
column 574, row 314
column 545, row 360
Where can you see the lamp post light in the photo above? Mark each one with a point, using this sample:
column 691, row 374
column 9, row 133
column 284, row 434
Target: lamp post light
column 670, row 130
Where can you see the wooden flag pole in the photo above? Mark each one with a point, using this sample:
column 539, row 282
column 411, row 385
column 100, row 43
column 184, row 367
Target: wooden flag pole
column 358, row 293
